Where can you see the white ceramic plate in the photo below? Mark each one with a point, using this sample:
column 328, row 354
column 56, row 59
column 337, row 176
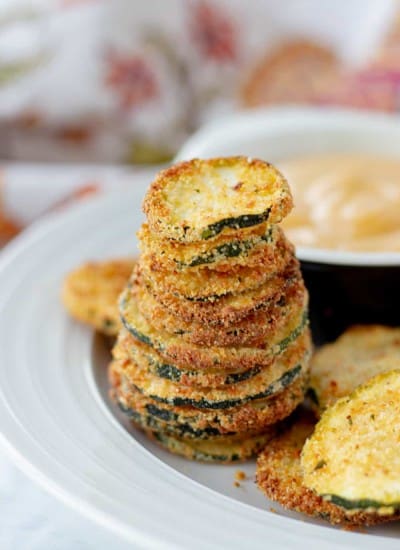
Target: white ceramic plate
column 56, row 421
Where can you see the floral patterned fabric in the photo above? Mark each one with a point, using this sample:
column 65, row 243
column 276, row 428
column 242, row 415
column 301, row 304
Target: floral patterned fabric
column 128, row 81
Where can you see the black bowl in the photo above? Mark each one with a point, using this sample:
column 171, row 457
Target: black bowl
column 342, row 295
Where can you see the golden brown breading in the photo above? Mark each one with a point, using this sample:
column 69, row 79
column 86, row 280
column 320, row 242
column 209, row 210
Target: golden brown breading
column 199, row 199
column 352, row 456
column 207, row 283
column 356, row 356
column 90, row 293
column 173, row 348
column 144, row 354
column 210, row 378
column 286, row 368
column 250, row 418
column 252, row 330
column 231, row 308
column 279, row 476
column 221, row 254
column 217, row 452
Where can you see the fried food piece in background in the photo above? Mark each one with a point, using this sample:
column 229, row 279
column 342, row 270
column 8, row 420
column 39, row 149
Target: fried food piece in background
column 352, row 458
column 200, row 199
column 90, row 293
column 296, row 72
column 360, row 353
column 279, row 476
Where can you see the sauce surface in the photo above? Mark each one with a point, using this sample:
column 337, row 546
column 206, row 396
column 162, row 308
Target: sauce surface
column 344, row 202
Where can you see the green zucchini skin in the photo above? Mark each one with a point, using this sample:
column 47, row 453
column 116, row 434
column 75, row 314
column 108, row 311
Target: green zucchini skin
column 172, row 370
column 280, row 384
column 312, row 395
column 175, row 374
column 285, row 343
column 157, row 420
column 238, row 222
column 361, row 504
column 232, row 249
column 139, row 335
column 169, row 372
column 202, row 424
column 166, row 442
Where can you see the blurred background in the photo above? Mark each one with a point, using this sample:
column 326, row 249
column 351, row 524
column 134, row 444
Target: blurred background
column 92, row 90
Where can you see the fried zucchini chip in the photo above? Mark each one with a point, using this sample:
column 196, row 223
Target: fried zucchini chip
column 90, row 293
column 352, row 459
column 220, row 452
column 189, row 422
column 231, row 359
column 252, row 330
column 199, row 199
column 279, row 476
column 357, row 355
column 134, row 404
column 222, row 253
column 271, row 380
column 230, row 308
column 208, row 283
column 147, row 357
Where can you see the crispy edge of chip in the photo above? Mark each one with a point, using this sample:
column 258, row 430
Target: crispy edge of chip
column 279, row 476
column 211, row 283
column 249, row 331
column 314, row 464
column 226, row 309
column 158, row 214
column 250, row 417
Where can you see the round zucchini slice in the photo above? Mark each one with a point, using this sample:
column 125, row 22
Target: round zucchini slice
column 174, row 348
column 209, row 283
column 213, row 451
column 352, row 459
column 151, row 416
column 90, row 293
column 280, row 478
column 230, row 308
column 250, row 418
column 221, row 253
column 273, row 379
column 149, row 358
column 356, row 356
column 182, row 431
column 250, row 331
column 199, row 199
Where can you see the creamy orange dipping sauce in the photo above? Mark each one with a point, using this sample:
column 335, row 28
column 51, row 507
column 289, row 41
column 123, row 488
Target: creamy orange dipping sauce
column 345, row 202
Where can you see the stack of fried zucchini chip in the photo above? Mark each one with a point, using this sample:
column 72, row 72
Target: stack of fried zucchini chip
column 215, row 343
